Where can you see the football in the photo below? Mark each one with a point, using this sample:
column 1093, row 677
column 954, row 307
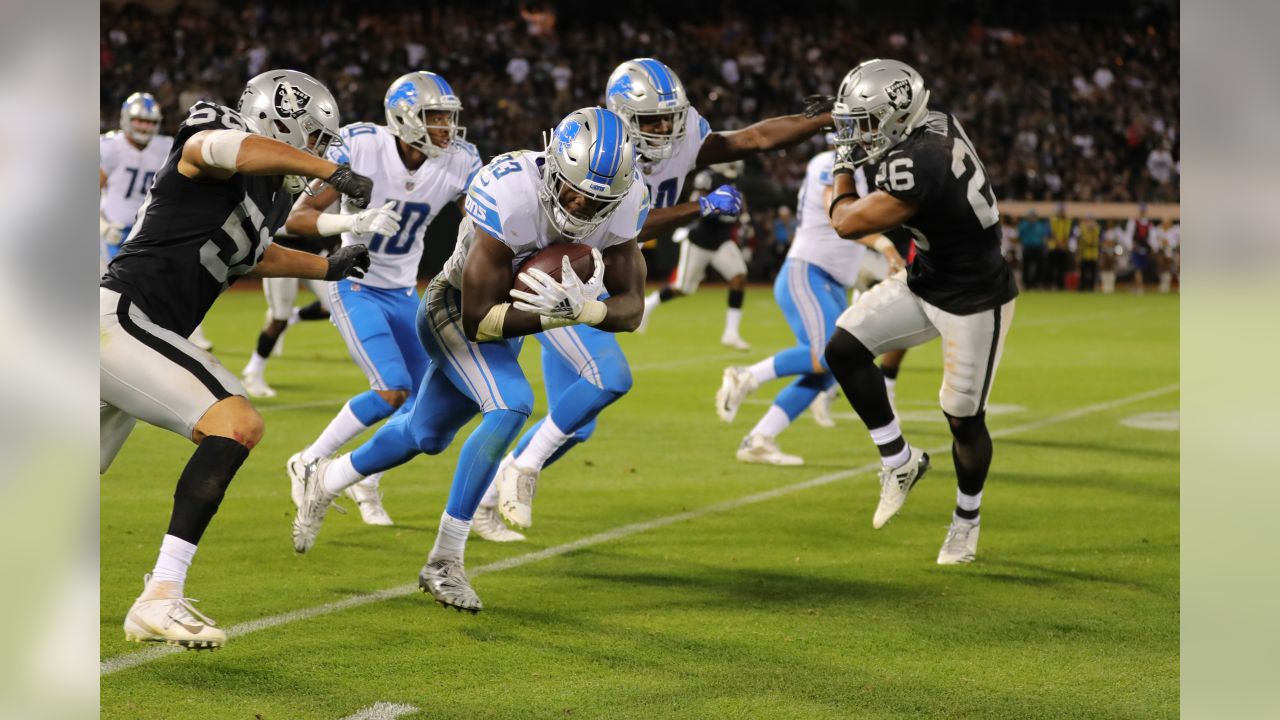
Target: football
column 548, row 261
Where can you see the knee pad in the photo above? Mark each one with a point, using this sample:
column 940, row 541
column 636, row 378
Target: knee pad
column 967, row 429
column 958, row 398
column 844, row 350
column 615, row 378
column 432, row 443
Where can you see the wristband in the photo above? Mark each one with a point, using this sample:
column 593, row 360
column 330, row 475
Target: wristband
column 491, row 326
column 219, row 148
column 334, row 224
column 593, row 312
column 883, row 245
column 832, row 208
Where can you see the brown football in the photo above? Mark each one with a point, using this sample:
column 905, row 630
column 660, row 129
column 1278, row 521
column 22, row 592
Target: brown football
column 548, row 261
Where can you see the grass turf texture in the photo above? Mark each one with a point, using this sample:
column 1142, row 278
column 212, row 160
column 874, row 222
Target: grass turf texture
column 788, row 608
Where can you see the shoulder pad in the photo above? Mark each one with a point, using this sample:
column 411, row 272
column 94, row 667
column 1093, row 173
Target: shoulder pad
column 205, row 115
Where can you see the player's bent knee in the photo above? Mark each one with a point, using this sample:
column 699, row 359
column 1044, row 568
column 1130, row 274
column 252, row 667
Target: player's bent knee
column 958, row 404
column 616, row 380
column 394, row 398
column 432, row 443
column 584, row 433
column 845, row 350
column 233, row 417
column 967, row 429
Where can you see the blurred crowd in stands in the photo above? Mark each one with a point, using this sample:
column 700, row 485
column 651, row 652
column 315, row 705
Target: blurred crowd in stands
column 1070, row 107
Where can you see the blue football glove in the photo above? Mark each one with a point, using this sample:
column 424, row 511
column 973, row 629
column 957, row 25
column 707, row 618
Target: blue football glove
column 726, row 200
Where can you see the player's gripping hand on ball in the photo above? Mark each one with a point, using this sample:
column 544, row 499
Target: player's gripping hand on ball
column 725, row 200
column 567, row 299
column 349, row 261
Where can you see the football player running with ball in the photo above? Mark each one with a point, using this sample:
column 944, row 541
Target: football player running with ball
column 928, row 179
column 583, row 189
column 584, row 369
column 208, row 220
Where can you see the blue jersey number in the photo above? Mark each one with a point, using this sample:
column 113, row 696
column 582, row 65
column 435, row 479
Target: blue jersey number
column 665, row 195
column 412, row 216
column 134, row 184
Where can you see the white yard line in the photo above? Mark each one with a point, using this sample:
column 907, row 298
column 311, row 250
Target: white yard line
column 124, row 662
column 382, row 711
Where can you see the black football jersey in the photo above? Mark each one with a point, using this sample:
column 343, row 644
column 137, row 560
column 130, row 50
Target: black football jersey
column 712, row 231
column 958, row 266
column 195, row 238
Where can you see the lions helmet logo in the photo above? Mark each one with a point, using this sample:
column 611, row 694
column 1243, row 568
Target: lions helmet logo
column 290, row 101
column 566, row 133
column 899, row 92
column 621, row 86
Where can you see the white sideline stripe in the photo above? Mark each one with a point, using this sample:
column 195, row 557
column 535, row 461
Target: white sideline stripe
column 123, row 662
column 382, row 711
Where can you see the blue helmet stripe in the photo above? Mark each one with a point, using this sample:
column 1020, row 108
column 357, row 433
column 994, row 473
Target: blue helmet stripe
column 662, row 79
column 441, row 84
column 606, row 159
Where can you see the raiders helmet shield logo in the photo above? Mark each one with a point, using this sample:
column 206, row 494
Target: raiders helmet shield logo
column 290, row 101
column 899, row 92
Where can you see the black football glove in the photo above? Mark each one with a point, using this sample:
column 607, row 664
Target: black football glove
column 352, row 184
column 815, row 105
column 349, row 261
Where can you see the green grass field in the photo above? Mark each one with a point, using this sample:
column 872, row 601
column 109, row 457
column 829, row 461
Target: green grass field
column 699, row 594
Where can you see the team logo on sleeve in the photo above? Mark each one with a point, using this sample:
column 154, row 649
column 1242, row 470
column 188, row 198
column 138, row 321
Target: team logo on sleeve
column 290, row 101
column 899, row 92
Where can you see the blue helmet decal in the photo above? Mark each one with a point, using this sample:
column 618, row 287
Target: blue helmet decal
column 621, row 86
column 661, row 76
column 441, row 84
column 607, row 156
column 406, row 93
column 567, row 132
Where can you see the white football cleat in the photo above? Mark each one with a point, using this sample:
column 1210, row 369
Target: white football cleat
column 895, row 483
column 488, row 526
column 446, row 580
column 161, row 614
column 961, row 545
column 516, row 488
column 764, row 451
column 736, row 384
column 369, row 499
column 315, row 504
column 256, row 385
column 198, row 339
column 821, row 409
column 296, row 469
column 736, row 342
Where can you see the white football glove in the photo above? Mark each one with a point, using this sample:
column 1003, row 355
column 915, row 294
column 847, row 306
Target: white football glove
column 378, row 221
column 110, row 232
column 564, row 300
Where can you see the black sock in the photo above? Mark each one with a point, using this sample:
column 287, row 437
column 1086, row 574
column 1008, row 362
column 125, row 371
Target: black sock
column 854, row 367
column 202, row 484
column 890, row 373
column 314, row 311
column 735, row 298
column 971, row 452
column 666, row 294
column 266, row 343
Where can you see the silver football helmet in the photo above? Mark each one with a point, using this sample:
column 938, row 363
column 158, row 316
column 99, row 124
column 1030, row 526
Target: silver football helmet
column 878, row 105
column 294, row 108
column 645, row 87
column 590, row 152
column 407, row 103
column 140, row 106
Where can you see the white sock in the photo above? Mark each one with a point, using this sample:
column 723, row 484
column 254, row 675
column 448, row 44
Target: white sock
column 173, row 561
column 883, row 436
column 256, row 365
column 490, row 499
column 732, row 320
column 890, row 384
column 341, row 475
column 542, row 445
column 451, row 539
column 294, row 317
column 764, row 371
column 341, row 429
column 651, row 301
column 775, row 420
column 970, row 503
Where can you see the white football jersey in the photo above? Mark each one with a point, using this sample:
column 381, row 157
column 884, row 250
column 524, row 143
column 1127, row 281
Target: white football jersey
column 665, row 178
column 816, row 241
column 129, row 174
column 371, row 151
column 503, row 201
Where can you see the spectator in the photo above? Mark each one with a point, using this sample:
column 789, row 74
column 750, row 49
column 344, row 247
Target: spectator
column 1138, row 234
column 1168, row 239
column 1011, row 249
column 1113, row 245
column 1031, row 236
column 1059, row 247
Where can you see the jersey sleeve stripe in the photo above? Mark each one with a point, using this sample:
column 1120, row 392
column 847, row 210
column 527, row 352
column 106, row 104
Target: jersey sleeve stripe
column 482, row 195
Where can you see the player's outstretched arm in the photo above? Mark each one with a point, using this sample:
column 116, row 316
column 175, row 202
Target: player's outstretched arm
column 771, row 134
column 726, row 200
column 487, row 313
column 277, row 261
